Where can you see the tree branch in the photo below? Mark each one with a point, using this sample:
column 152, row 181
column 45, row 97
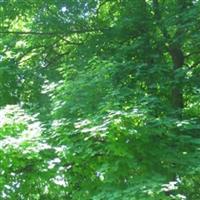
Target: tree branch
column 51, row 33
column 158, row 17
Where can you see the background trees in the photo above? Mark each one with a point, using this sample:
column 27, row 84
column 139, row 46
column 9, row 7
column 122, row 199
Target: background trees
column 113, row 87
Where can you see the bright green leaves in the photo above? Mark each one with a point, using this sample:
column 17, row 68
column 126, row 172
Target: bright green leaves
column 100, row 75
column 27, row 162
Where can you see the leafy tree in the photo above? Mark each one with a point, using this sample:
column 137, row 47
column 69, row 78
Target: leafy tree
column 113, row 89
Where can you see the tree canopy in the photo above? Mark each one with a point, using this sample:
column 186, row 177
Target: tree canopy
column 100, row 99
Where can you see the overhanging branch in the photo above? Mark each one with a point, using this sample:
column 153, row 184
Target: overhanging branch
column 31, row 33
column 51, row 33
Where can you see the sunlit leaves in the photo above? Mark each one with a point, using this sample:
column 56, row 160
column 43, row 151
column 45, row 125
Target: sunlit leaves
column 99, row 75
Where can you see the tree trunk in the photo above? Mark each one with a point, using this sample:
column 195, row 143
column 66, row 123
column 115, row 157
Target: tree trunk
column 177, row 91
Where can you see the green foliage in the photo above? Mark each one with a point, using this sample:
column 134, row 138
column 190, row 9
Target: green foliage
column 99, row 100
